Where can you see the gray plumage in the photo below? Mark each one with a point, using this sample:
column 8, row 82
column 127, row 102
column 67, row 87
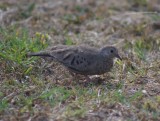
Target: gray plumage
column 82, row 59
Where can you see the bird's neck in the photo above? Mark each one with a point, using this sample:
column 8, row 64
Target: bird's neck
column 108, row 62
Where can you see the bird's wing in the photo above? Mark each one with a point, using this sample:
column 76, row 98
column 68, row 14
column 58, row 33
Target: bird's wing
column 77, row 58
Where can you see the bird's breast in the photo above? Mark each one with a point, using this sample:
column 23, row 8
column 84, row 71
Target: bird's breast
column 104, row 66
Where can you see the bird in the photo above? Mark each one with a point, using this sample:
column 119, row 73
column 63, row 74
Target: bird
column 82, row 59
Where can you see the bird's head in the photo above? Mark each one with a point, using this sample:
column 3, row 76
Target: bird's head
column 110, row 52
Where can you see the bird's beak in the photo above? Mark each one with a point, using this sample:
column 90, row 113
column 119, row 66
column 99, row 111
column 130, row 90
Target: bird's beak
column 118, row 57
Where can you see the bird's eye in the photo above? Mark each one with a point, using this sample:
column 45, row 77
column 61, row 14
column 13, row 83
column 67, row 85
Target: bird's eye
column 111, row 51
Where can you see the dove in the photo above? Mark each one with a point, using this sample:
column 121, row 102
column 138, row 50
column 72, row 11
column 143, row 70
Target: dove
column 82, row 59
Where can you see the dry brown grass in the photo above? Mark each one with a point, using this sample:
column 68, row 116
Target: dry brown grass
column 39, row 89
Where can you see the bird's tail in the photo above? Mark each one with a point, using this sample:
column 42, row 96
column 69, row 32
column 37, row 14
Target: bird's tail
column 42, row 54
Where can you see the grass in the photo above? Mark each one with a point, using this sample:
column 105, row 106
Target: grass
column 129, row 91
column 15, row 66
column 14, row 48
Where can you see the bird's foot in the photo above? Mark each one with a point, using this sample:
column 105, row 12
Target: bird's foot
column 94, row 80
column 88, row 79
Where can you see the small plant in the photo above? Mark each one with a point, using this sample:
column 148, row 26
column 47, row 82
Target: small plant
column 68, row 41
column 27, row 12
column 150, row 106
column 119, row 96
column 55, row 95
column 139, row 2
column 3, row 104
column 14, row 47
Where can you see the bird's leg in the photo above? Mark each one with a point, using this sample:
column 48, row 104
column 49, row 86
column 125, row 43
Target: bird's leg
column 73, row 74
column 88, row 79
